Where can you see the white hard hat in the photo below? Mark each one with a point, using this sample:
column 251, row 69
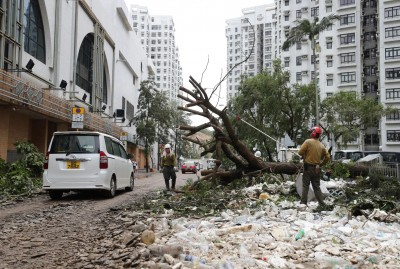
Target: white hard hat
column 167, row 146
column 257, row 154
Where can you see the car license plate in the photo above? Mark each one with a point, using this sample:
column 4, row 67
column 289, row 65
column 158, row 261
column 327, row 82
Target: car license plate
column 73, row 165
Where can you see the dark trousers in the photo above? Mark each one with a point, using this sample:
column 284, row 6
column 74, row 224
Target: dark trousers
column 313, row 175
column 169, row 173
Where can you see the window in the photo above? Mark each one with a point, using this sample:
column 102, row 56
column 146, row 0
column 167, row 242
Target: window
column 328, row 9
column 298, row 14
column 393, row 136
column 393, row 93
column 314, row 11
column 370, row 70
column 329, row 63
column 391, row 12
column 371, row 139
column 329, row 82
column 347, row 57
column 347, row 19
column 286, row 63
column 329, row 45
column 84, row 68
column 298, row 60
column 393, row 115
column 286, row 17
column 392, row 73
column 298, row 1
column 369, row 3
column 348, row 77
column 392, row 53
column 370, row 87
column 298, row 45
column 346, row 39
column 286, row 2
column 298, row 77
column 105, row 90
column 370, row 54
column 392, row 31
column 347, row 2
column 34, row 33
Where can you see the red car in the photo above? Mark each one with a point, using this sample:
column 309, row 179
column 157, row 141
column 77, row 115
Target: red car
column 189, row 167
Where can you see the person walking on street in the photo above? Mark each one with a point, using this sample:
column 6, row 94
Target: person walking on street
column 134, row 164
column 314, row 155
column 168, row 162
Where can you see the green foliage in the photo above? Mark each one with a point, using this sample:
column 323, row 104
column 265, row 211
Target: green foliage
column 346, row 115
column 267, row 102
column 310, row 29
column 339, row 170
column 154, row 114
column 32, row 159
column 23, row 175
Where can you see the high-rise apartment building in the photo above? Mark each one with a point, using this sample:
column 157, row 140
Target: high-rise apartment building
column 253, row 32
column 360, row 53
column 157, row 35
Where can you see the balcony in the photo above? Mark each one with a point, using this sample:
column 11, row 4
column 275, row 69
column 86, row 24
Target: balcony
column 16, row 91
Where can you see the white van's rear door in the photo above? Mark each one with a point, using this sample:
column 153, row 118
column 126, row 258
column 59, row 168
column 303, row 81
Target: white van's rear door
column 74, row 158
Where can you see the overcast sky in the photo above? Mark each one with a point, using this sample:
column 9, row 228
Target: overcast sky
column 200, row 34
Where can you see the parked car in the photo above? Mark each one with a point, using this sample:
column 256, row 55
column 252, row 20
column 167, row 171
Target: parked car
column 211, row 163
column 189, row 167
column 83, row 160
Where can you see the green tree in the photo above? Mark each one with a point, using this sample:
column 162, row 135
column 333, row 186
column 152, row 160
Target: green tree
column 267, row 102
column 346, row 115
column 153, row 117
column 310, row 29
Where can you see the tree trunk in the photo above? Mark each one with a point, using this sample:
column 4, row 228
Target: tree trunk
column 276, row 168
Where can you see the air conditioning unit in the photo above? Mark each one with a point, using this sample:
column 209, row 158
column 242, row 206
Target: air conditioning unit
column 287, row 27
column 328, row 38
column 304, row 73
column 304, row 56
column 304, row 9
column 329, row 75
column 329, row 57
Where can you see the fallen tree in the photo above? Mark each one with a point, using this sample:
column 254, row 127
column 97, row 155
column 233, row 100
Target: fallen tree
column 226, row 141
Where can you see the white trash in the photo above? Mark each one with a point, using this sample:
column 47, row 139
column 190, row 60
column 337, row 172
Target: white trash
column 311, row 195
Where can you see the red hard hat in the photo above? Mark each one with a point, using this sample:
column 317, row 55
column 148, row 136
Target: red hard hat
column 316, row 131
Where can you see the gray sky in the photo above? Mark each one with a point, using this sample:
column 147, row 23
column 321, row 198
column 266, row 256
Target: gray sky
column 200, row 34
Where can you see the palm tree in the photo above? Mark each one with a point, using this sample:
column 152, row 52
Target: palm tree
column 303, row 28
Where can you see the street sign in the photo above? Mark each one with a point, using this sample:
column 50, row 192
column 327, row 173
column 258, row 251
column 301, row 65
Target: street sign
column 77, row 125
column 124, row 136
column 78, row 113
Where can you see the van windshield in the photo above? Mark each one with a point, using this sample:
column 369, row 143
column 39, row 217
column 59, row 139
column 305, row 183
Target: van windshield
column 73, row 143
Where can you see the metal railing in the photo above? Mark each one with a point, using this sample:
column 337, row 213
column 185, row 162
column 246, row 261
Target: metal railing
column 389, row 170
column 15, row 91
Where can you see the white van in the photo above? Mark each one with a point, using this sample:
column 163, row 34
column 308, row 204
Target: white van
column 83, row 160
column 211, row 163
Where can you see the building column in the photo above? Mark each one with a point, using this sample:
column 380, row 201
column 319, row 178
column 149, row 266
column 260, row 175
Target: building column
column 4, row 127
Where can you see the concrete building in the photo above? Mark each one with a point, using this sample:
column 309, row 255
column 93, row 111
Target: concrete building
column 360, row 53
column 60, row 55
column 157, row 35
column 251, row 32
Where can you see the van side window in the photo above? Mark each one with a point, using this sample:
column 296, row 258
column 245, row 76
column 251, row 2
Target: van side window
column 116, row 149
column 123, row 152
column 109, row 145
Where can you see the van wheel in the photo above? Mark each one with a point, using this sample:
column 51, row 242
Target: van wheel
column 131, row 183
column 111, row 192
column 55, row 194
